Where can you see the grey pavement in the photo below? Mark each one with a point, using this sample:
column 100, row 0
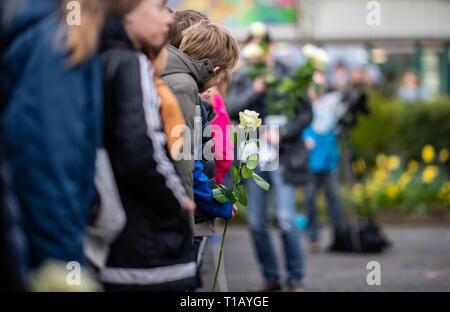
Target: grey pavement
column 419, row 260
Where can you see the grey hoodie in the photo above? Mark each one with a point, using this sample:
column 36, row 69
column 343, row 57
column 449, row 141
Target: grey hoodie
column 186, row 77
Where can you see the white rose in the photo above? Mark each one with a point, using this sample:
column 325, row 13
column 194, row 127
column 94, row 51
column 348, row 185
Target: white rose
column 252, row 51
column 309, row 50
column 318, row 56
column 249, row 120
column 258, row 29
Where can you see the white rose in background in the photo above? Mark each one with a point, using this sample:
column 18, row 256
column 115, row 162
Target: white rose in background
column 318, row 56
column 249, row 120
column 253, row 51
column 258, row 29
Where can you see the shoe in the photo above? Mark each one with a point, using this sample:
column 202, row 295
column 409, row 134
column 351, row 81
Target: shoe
column 269, row 287
column 295, row 288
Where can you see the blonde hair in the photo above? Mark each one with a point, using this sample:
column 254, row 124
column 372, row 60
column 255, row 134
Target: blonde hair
column 182, row 20
column 207, row 40
column 82, row 39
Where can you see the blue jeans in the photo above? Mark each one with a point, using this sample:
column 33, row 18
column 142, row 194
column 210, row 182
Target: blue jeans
column 285, row 208
column 330, row 181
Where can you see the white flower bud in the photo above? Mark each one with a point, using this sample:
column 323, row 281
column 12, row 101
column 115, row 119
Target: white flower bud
column 252, row 51
column 258, row 29
column 318, row 56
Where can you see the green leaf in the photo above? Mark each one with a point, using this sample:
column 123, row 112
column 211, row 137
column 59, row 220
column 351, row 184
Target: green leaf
column 242, row 188
column 237, row 196
column 243, row 198
column 261, row 182
column 219, row 195
column 246, row 173
column 236, row 175
column 252, row 161
column 231, row 197
column 240, row 206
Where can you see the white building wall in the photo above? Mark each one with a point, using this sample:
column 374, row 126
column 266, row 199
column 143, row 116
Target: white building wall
column 346, row 20
column 400, row 19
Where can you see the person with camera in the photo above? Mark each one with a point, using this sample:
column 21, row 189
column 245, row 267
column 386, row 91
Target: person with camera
column 321, row 140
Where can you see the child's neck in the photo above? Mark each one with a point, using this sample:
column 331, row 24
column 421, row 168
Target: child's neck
column 133, row 39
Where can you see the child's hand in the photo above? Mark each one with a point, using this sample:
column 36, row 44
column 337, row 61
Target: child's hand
column 233, row 214
column 208, row 94
column 310, row 143
column 189, row 205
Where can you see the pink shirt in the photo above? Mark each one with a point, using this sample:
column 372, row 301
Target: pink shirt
column 223, row 146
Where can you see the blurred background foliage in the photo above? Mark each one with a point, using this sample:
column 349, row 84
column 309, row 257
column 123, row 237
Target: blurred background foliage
column 401, row 163
column 393, row 127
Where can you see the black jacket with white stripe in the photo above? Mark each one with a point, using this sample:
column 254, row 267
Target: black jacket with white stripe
column 154, row 251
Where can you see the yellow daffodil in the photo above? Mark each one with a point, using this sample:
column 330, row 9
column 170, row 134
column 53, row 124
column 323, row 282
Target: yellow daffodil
column 380, row 175
column 382, row 161
column 429, row 174
column 359, row 166
column 413, row 166
column 428, row 153
column 404, row 180
column 358, row 190
column 392, row 191
column 443, row 155
column 371, row 188
column 444, row 193
column 393, row 162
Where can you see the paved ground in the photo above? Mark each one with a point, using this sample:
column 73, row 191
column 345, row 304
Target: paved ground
column 419, row 260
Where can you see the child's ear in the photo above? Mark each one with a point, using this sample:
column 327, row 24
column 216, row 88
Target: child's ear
column 216, row 69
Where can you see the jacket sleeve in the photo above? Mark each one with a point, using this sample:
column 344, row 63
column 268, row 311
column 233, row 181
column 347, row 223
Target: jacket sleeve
column 138, row 145
column 204, row 195
column 296, row 125
column 240, row 95
column 187, row 97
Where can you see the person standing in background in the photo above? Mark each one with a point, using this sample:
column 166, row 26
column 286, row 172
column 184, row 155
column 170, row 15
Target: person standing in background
column 321, row 140
column 293, row 170
column 410, row 90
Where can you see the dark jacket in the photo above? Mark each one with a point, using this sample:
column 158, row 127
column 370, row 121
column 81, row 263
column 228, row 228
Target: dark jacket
column 51, row 127
column 293, row 153
column 153, row 252
column 241, row 95
column 13, row 262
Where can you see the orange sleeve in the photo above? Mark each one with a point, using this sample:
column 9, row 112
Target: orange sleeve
column 171, row 116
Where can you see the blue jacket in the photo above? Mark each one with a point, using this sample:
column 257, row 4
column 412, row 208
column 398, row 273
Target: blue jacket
column 204, row 196
column 324, row 157
column 50, row 129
